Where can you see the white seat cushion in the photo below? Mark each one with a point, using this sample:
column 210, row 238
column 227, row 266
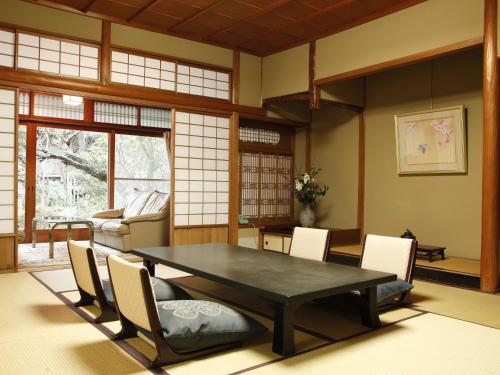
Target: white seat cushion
column 98, row 223
column 309, row 243
column 387, row 254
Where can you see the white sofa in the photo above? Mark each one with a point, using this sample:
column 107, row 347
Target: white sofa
column 143, row 222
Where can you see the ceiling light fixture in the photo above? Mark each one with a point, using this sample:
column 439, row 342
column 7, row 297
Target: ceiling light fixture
column 72, row 100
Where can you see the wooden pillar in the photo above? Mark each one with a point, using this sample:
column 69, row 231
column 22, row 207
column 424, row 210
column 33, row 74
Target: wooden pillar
column 105, row 73
column 236, row 78
column 234, row 179
column 314, row 93
column 489, row 225
column 361, row 173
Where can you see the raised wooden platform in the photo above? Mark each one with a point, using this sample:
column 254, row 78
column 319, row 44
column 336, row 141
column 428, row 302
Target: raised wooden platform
column 451, row 270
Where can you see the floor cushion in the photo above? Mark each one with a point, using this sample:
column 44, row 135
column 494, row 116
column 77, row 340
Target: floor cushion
column 164, row 291
column 392, row 289
column 194, row 325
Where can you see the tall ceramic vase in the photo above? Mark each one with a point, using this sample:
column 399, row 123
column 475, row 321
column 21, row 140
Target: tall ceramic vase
column 307, row 216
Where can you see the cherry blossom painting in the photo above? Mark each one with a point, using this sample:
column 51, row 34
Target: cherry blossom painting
column 431, row 141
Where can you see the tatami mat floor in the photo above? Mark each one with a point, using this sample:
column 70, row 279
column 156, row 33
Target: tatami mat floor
column 447, row 331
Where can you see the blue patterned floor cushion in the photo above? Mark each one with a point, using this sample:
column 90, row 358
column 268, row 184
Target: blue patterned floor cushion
column 193, row 325
column 392, row 289
column 164, row 291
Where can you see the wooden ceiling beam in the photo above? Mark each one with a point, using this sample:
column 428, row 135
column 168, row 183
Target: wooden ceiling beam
column 268, row 8
column 144, row 8
column 329, row 9
column 194, row 16
column 89, row 5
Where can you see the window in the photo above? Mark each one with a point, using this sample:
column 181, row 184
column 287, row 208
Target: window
column 21, row 176
column 265, row 186
column 7, row 48
column 163, row 74
column 57, row 56
column 71, row 172
column 52, row 105
column 113, row 113
column 140, row 162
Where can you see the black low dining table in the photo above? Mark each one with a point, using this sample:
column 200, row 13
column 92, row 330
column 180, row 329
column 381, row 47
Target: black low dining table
column 286, row 281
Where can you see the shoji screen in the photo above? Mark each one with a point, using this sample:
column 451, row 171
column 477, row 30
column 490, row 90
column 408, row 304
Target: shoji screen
column 7, row 177
column 201, row 166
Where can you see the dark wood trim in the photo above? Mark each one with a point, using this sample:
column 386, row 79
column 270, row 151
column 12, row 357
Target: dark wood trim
column 105, row 66
column 234, row 180
column 172, row 178
column 490, row 191
column 350, row 107
column 89, row 5
column 314, row 91
column 308, row 162
column 299, row 96
column 272, row 120
column 361, row 173
column 30, row 181
column 235, row 78
column 129, row 92
column 417, row 57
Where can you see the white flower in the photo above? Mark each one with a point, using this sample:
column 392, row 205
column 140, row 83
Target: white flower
column 298, row 185
column 306, row 178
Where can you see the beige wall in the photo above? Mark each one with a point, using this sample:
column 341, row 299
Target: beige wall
column 423, row 27
column 250, row 80
column 440, row 209
column 34, row 16
column 334, row 149
column 148, row 41
column 286, row 72
column 350, row 92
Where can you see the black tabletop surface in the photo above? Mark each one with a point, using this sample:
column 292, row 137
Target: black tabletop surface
column 268, row 274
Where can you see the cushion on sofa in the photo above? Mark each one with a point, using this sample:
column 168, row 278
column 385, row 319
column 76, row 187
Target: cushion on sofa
column 136, row 202
column 98, row 223
column 164, row 291
column 156, row 203
column 116, row 227
column 194, row 325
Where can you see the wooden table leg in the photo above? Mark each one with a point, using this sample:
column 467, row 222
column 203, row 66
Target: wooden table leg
column 283, row 338
column 369, row 309
column 33, row 233
column 150, row 266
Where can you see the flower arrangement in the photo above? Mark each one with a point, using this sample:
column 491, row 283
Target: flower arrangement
column 307, row 189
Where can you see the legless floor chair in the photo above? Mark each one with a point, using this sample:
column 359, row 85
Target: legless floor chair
column 394, row 255
column 310, row 243
column 180, row 330
column 93, row 288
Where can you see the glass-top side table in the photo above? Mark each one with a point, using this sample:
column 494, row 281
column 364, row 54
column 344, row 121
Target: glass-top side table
column 55, row 221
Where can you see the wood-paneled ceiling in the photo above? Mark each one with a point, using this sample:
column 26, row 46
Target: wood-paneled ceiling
column 260, row 27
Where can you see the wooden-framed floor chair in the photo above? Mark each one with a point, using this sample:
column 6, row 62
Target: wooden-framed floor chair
column 139, row 312
column 395, row 255
column 310, row 243
column 93, row 288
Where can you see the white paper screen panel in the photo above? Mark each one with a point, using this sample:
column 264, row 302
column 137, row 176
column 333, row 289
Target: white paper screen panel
column 201, row 165
column 7, row 48
column 7, row 160
column 168, row 75
column 57, row 56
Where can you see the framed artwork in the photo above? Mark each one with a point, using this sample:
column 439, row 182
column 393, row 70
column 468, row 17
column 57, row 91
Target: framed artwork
column 431, row 141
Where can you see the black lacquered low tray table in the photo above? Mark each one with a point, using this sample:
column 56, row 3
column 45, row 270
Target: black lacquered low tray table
column 286, row 281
